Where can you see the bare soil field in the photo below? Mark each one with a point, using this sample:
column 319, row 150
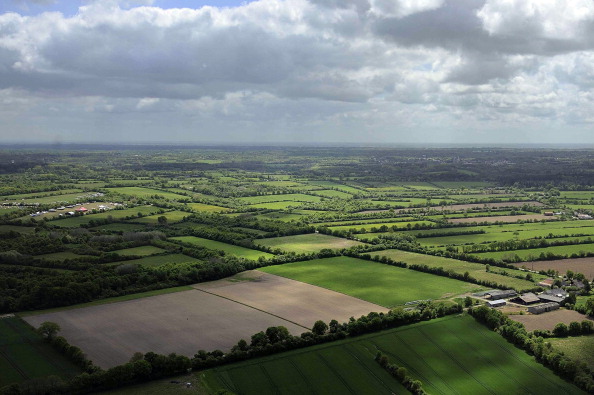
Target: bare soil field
column 185, row 322
column 502, row 218
column 577, row 265
column 295, row 301
column 549, row 320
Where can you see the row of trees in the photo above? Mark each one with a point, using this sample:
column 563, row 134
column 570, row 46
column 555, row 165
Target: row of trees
column 535, row 345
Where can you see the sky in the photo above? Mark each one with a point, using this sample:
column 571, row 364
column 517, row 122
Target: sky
column 297, row 71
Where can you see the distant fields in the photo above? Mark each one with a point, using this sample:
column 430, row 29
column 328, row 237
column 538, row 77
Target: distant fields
column 371, row 281
column 452, row 355
column 368, row 227
column 115, row 214
column 24, row 355
column 534, row 253
column 307, row 243
column 139, row 251
column 231, row 249
column 209, row 208
column 576, row 265
column 293, row 197
column 153, row 261
column 172, row 217
column 146, row 192
column 475, row 270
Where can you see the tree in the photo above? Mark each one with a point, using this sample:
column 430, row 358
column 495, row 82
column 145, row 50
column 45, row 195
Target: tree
column 590, row 306
column 561, row 330
column 162, row 220
column 48, row 329
column 467, row 301
column 319, row 328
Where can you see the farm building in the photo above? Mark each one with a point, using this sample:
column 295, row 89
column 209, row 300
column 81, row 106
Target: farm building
column 507, row 293
column 551, row 298
column 496, row 303
column 527, row 298
column 547, row 282
column 543, row 308
column 558, row 292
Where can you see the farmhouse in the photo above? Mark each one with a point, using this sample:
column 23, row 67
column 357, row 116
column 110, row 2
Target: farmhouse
column 543, row 308
column 496, row 303
column 547, row 282
column 507, row 293
column 527, row 298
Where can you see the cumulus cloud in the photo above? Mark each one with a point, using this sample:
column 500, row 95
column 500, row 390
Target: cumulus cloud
column 273, row 64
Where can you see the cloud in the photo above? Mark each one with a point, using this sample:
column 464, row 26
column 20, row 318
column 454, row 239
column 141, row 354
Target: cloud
column 274, row 64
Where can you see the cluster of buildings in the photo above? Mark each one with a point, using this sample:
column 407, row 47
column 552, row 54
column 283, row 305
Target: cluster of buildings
column 548, row 300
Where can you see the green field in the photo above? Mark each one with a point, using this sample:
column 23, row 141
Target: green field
column 16, row 228
column 114, row 214
column 579, row 348
column 230, row 249
column 307, row 243
column 172, row 217
column 451, row 355
column 60, row 256
column 333, row 194
column 146, row 193
column 154, row 261
column 208, row 208
column 293, row 197
column 475, row 270
column 277, row 205
column 372, row 281
column 534, row 253
column 24, row 355
column 139, row 251
column 369, row 227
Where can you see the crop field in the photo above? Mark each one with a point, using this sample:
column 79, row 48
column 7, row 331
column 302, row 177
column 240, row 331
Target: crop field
column 534, row 254
column 24, row 355
column 307, row 243
column 171, row 322
column 356, row 222
column 154, row 261
column 121, row 227
column 182, row 322
column 146, row 192
column 295, row 301
column 452, row 355
column 503, row 218
column 22, row 196
column 372, row 281
column 208, row 208
column 292, row 197
column 140, row 251
column 475, row 270
column 548, row 320
column 231, row 249
column 335, row 185
column 579, row 348
column 63, row 198
column 369, row 227
column 576, row 265
column 172, row 217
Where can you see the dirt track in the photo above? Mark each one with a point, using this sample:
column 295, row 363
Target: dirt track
column 188, row 321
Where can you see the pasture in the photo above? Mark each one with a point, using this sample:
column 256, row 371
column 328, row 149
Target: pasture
column 231, row 249
column 579, row 348
column 451, row 355
column 371, row 227
column 475, row 270
column 117, row 214
column 548, row 320
column 24, row 355
column 307, row 243
column 146, row 193
column 206, row 208
column 534, row 254
column 503, row 218
column 172, row 217
column 292, row 197
column 154, row 261
column 60, row 256
column 372, row 281
column 139, row 251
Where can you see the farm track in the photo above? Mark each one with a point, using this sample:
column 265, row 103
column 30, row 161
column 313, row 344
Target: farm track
column 252, row 307
column 13, row 364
